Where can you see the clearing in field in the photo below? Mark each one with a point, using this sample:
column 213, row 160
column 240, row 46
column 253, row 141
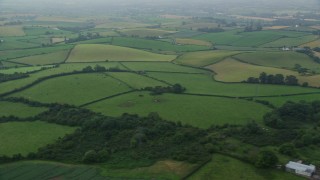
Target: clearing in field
column 197, row 111
column 74, row 89
column 51, row 58
column 11, row 31
column 231, row 70
column 279, row 60
column 205, row 84
column 221, row 166
column 19, row 110
column 193, row 42
column 204, row 58
column 27, row 137
column 146, row 32
column 95, row 52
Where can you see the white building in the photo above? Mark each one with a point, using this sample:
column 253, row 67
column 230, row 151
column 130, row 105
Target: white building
column 301, row 169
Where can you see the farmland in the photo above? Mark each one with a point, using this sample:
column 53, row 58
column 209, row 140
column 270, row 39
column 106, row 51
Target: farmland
column 158, row 90
column 196, row 111
column 94, row 53
column 16, row 137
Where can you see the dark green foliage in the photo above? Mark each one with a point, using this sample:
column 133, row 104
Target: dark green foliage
column 127, row 138
column 287, row 149
column 266, row 159
column 211, row 30
column 176, row 88
column 265, row 78
column 10, row 77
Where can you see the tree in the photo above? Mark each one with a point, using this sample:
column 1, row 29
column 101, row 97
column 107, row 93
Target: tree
column 99, row 68
column 278, row 79
column 291, row 80
column 287, row 149
column 90, row 157
column 263, row 78
column 88, row 69
column 266, row 159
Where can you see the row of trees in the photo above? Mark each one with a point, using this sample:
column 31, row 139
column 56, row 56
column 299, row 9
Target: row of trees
column 158, row 90
column 309, row 52
column 211, row 30
column 280, row 79
column 83, row 37
column 10, row 77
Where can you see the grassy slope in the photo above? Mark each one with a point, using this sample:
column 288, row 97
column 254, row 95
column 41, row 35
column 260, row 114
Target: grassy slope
column 279, row 101
column 95, row 52
column 224, row 168
column 51, row 58
column 231, row 70
column 204, row 58
column 157, row 66
column 74, row 89
column 194, row 110
column 204, row 84
column 18, row 109
column 26, row 137
column 279, row 59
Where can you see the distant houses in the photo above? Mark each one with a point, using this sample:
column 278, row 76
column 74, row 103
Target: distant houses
column 301, row 169
column 1, row 40
column 284, row 48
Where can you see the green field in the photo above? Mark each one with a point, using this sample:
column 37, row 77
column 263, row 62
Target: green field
column 279, row 59
column 95, row 52
column 279, row 101
column 11, row 31
column 26, row 137
column 231, row 70
column 204, row 58
column 155, row 45
column 50, row 58
column 204, row 84
column 39, row 170
column 22, row 69
column 224, row 168
column 136, row 81
column 74, row 89
column 193, row 110
column 144, row 32
column 160, row 66
column 250, row 39
column 19, row 110
column 289, row 42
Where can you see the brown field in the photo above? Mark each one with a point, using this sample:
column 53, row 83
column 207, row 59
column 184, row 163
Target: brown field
column 254, row 18
column 192, row 42
column 315, row 27
column 171, row 16
column 57, row 40
column 11, row 31
column 312, row 44
column 60, row 19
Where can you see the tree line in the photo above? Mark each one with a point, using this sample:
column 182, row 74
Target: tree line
column 279, row 79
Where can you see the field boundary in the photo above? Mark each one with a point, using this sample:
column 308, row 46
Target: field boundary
column 109, row 97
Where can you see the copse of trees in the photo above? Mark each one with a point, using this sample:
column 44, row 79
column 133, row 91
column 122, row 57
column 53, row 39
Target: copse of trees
column 211, row 30
column 83, row 37
column 158, row 90
column 280, row 79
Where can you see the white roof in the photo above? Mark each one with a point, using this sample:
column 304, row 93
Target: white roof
column 301, row 167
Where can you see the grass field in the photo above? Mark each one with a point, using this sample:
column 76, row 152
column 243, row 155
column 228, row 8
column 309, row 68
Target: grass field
column 160, row 66
column 11, row 31
column 51, row 58
column 224, row 168
column 95, row 52
column 231, row 70
column 74, row 89
column 312, row 44
column 192, row 42
column 7, row 64
column 10, row 43
column 204, row 84
column 121, row 25
column 26, row 137
column 279, row 59
column 204, row 58
column 19, row 110
column 136, row 81
column 145, row 32
column 251, row 39
column 22, row 69
column 279, row 101
column 194, row 110
column 155, row 45
column 289, row 42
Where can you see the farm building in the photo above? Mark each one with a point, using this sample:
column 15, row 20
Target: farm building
column 301, row 169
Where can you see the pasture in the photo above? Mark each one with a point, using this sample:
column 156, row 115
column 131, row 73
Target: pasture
column 205, row 84
column 74, row 89
column 155, row 45
column 231, row 70
column 160, row 66
column 27, row 137
column 312, row 44
column 279, row 59
column 279, row 101
column 192, row 42
column 193, row 110
column 95, row 52
column 50, row 58
column 220, row 167
column 145, row 32
column 293, row 41
column 11, row 31
column 204, row 58
column 19, row 109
